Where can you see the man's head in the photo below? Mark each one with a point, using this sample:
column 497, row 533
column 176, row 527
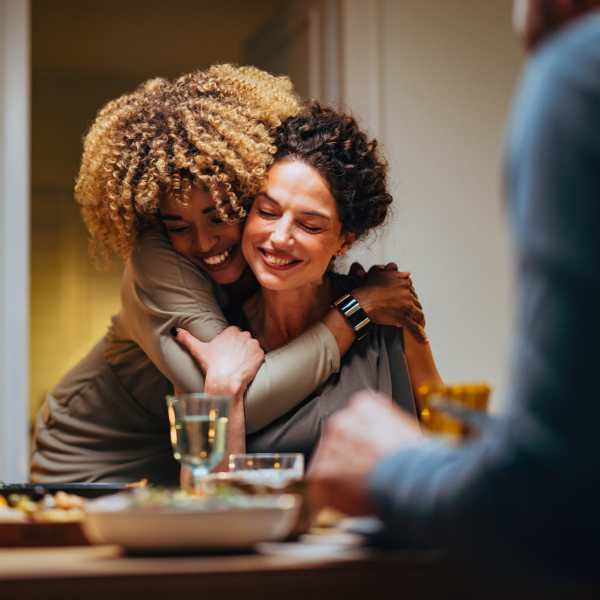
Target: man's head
column 534, row 20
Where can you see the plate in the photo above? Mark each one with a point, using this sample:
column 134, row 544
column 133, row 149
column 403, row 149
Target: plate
column 214, row 524
column 86, row 490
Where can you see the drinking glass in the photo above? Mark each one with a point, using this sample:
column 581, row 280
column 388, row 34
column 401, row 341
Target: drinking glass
column 198, row 424
column 275, row 470
column 455, row 410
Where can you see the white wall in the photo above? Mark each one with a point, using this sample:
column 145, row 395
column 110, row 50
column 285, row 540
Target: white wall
column 301, row 41
column 14, row 237
column 445, row 75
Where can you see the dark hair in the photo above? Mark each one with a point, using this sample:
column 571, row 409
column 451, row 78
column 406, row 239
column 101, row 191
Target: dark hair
column 332, row 143
column 548, row 16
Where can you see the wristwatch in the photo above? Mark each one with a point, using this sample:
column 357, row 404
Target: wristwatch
column 349, row 306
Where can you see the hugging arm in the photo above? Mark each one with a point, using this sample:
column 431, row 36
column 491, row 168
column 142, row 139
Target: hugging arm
column 421, row 364
column 162, row 290
column 389, row 298
column 283, row 370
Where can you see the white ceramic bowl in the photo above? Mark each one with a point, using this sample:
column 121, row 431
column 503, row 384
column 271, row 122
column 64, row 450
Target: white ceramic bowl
column 262, row 518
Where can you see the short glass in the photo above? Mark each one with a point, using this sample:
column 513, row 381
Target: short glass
column 275, row 470
column 198, row 427
column 453, row 410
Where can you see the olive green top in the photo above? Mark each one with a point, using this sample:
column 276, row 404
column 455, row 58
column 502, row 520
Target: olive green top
column 106, row 419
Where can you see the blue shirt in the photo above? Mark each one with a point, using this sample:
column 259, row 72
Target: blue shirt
column 525, row 496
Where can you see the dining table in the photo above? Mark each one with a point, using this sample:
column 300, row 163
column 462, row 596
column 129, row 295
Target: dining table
column 328, row 564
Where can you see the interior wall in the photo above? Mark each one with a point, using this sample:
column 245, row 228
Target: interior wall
column 85, row 53
column 447, row 73
column 281, row 45
column 71, row 301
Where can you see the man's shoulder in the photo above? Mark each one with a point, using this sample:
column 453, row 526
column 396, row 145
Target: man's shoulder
column 574, row 49
column 560, row 91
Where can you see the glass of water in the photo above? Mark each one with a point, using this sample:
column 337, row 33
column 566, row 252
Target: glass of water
column 198, row 426
column 274, row 470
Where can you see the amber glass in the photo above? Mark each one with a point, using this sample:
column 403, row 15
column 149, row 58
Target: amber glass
column 434, row 401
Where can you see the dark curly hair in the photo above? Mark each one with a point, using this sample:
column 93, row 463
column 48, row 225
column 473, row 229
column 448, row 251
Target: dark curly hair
column 333, row 144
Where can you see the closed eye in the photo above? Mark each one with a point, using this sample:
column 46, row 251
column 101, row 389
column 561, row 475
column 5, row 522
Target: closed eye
column 311, row 229
column 177, row 230
column 265, row 213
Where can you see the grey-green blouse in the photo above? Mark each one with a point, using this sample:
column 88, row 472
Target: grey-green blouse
column 376, row 362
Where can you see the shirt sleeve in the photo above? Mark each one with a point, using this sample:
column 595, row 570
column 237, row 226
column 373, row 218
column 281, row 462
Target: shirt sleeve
column 520, row 495
column 290, row 374
column 162, row 289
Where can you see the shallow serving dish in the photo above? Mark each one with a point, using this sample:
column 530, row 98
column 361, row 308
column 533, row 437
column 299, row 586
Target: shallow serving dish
column 182, row 524
column 85, row 490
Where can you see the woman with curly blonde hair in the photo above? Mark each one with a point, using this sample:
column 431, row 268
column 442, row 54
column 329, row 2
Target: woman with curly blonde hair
column 166, row 177
column 209, row 128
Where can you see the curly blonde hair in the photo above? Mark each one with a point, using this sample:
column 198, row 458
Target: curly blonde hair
column 212, row 129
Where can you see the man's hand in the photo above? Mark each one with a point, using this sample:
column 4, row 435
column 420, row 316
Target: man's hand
column 354, row 440
column 230, row 360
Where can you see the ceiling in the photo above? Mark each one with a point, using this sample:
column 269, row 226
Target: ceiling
column 131, row 37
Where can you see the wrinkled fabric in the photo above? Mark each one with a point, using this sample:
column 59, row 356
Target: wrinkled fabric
column 377, row 362
column 106, row 420
column 524, row 498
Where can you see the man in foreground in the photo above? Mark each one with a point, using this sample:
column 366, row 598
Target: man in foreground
column 524, row 496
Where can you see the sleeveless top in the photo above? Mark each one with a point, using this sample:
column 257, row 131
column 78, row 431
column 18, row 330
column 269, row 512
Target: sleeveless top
column 376, row 362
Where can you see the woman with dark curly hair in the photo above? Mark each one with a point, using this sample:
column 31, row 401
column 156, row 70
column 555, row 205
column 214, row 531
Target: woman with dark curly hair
column 166, row 175
column 326, row 189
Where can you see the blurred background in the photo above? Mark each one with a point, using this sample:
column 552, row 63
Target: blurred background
column 432, row 80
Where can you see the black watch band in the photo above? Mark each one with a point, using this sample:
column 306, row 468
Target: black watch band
column 349, row 306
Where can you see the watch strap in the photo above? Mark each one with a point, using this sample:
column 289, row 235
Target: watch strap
column 350, row 307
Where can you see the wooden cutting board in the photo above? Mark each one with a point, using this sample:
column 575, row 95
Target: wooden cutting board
column 42, row 534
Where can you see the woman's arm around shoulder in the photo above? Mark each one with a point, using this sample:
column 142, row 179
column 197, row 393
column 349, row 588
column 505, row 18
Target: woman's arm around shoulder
column 161, row 291
column 421, row 364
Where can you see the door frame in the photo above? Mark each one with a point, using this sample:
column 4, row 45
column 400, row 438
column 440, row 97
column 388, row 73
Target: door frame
column 14, row 238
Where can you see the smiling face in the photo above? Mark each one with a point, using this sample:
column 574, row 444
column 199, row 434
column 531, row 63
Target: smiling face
column 293, row 229
column 196, row 231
